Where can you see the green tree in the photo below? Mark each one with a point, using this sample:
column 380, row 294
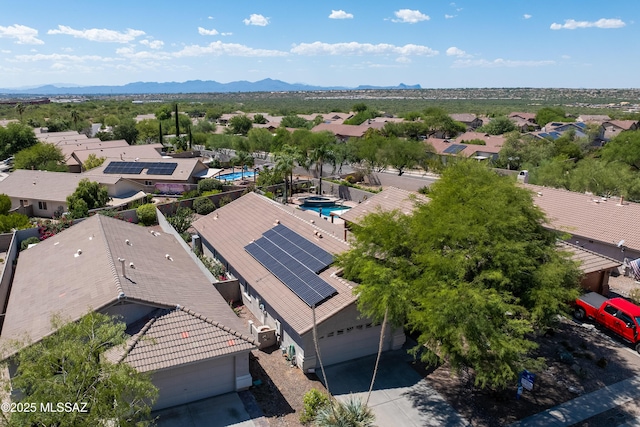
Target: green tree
column 75, row 118
column 403, row 154
column 209, row 184
column 259, row 119
column 147, row 214
column 293, row 121
column 322, row 152
column 92, row 162
column 182, row 219
column 547, row 115
column 15, row 137
column 259, row 140
column 239, row 125
column 88, row 195
column 285, row 160
column 148, row 131
column 203, row 205
column 163, row 113
column 498, row 126
column 177, row 118
column 20, row 108
column 42, row 156
column 242, row 159
column 68, row 366
column 5, row 204
column 126, row 130
column 359, row 107
column 14, row 221
column 625, row 148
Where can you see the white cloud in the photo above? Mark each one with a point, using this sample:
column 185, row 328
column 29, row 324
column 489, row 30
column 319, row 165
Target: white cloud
column 449, row 16
column 5, row 51
column 498, row 63
column 403, row 60
column 226, row 34
column 62, row 57
column 152, row 44
column 99, row 34
column 354, row 48
column 454, row 51
column 526, row 16
column 22, row 34
column 256, row 19
column 231, row 49
column 571, row 24
column 340, row 14
column 410, row 16
column 209, row 17
column 205, row 32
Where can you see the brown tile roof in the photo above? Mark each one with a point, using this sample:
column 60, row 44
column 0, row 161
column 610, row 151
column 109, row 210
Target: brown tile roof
column 493, row 143
column 387, row 200
column 44, row 185
column 593, row 118
column 127, row 153
column 236, row 224
column 341, row 129
column 525, row 116
column 621, row 124
column 177, row 336
column 590, row 262
column 463, row 117
column 589, row 216
column 53, row 277
column 183, row 172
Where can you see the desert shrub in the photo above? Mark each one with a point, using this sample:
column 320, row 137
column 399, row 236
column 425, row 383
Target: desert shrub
column 224, row 200
column 147, row 214
column 203, row 205
column 191, row 194
column 209, row 184
column 30, row 241
column 313, row 402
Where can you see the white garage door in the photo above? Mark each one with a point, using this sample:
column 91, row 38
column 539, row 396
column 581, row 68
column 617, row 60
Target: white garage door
column 194, row 382
column 350, row 344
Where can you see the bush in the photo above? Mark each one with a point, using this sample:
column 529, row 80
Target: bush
column 5, row 204
column 203, row 205
column 30, row 241
column 224, row 200
column 13, row 221
column 209, row 184
column 191, row 194
column 147, row 214
column 181, row 220
column 313, row 402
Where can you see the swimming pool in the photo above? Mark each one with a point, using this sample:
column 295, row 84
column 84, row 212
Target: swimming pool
column 326, row 210
column 235, row 175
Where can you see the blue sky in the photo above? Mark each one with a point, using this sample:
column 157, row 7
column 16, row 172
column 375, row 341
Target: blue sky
column 437, row 44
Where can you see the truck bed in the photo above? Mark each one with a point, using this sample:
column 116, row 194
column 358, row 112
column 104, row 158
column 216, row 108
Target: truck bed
column 593, row 299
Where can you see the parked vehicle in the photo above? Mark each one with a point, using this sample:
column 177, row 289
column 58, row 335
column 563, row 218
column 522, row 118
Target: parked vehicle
column 616, row 314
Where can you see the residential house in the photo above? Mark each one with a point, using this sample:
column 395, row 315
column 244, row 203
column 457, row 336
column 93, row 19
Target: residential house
column 525, row 122
column 596, row 268
column 341, row 131
column 612, row 128
column 44, row 194
column 181, row 330
column 555, row 130
column 391, row 198
column 477, row 145
column 603, row 225
column 117, row 151
column 471, row 121
column 593, row 118
column 294, row 282
column 174, row 175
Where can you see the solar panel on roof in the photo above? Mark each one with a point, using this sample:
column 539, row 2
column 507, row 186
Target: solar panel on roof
column 302, row 281
column 454, row 149
column 136, row 168
column 308, row 253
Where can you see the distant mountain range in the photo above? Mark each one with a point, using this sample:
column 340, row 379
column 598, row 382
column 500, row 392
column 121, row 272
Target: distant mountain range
column 192, row 86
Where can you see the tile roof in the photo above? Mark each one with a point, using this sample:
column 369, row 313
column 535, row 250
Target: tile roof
column 341, row 129
column 493, row 143
column 387, row 200
column 183, row 172
column 44, row 185
column 525, row 116
column 177, row 336
column 463, row 117
column 127, row 153
column 236, row 224
column 605, row 220
column 590, row 262
column 53, row 277
column 621, row 124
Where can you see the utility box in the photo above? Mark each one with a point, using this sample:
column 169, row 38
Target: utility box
column 523, row 177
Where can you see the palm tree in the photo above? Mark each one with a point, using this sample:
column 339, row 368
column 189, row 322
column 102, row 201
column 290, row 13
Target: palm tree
column 352, row 413
column 75, row 116
column 242, row 159
column 285, row 162
column 323, row 152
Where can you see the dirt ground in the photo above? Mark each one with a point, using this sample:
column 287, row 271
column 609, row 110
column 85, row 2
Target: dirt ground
column 579, row 359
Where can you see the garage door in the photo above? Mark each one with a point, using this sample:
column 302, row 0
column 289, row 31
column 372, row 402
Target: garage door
column 194, row 382
column 350, row 344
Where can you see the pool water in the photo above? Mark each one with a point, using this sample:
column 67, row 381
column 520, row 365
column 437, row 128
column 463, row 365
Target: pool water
column 326, row 210
column 235, row 175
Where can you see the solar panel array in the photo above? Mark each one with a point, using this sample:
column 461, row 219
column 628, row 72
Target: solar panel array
column 136, row 168
column 295, row 261
column 454, row 149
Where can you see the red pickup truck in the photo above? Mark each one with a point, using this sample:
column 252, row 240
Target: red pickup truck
column 616, row 314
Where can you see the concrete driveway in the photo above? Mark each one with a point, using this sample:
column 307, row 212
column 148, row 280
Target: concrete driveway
column 220, row 411
column 400, row 398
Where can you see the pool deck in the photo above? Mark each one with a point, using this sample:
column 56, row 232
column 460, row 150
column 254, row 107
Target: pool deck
column 312, row 214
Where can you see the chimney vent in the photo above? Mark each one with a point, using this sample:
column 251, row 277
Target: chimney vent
column 121, row 260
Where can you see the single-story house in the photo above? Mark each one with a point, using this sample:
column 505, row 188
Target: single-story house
column 283, row 259
column 593, row 118
column 612, row 128
column 47, row 192
column 181, row 329
column 156, row 173
column 471, row 121
column 603, row 225
column 468, row 145
column 596, row 268
column 341, row 131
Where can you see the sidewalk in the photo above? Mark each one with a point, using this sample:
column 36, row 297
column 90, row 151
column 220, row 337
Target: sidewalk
column 585, row 406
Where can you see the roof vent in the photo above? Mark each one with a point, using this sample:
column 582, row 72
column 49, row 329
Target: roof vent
column 131, row 265
column 277, row 221
column 78, row 253
column 167, row 256
column 128, row 242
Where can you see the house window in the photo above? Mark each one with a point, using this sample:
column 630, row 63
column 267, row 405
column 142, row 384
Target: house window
column 24, row 203
column 149, row 183
column 42, row 206
column 340, row 331
column 330, row 334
